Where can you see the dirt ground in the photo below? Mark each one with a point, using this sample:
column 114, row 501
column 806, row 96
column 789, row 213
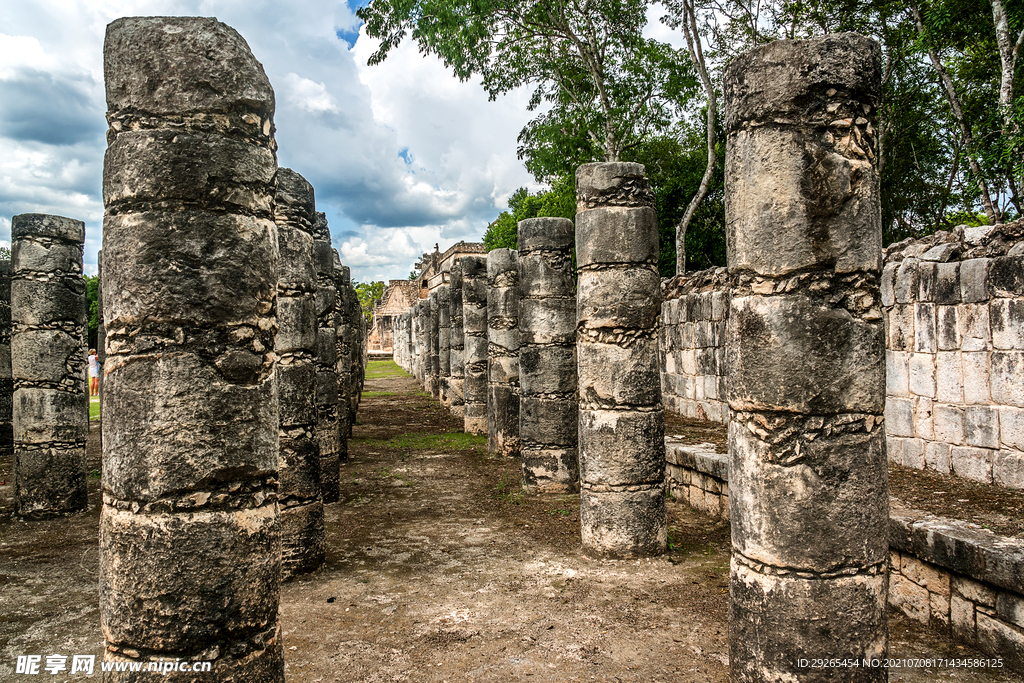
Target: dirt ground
column 439, row 569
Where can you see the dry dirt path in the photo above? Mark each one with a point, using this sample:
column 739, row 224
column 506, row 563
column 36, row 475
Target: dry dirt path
column 438, row 570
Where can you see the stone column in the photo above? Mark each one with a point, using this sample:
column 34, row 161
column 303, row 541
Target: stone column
column 327, row 436
column 621, row 428
column 444, row 343
column 190, row 444
column 805, row 347
column 503, row 353
column 548, row 413
column 455, row 381
column 357, row 350
column 50, row 416
column 302, row 507
column 101, row 338
column 6, row 378
column 474, row 322
column 414, row 334
column 433, row 344
column 343, row 351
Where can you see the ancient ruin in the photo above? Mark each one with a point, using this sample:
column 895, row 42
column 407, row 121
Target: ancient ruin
column 50, row 416
column 299, row 495
column 503, row 353
column 456, row 399
column 6, row 379
column 474, row 324
column 805, row 355
column 343, row 352
column 327, row 435
column 444, row 344
column 548, row 417
column 190, row 281
column 621, row 433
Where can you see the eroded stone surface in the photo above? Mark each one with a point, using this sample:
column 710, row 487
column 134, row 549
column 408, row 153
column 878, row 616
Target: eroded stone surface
column 503, row 353
column 191, row 416
column 474, row 321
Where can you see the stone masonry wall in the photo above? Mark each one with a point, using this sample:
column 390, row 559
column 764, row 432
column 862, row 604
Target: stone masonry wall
column 955, row 353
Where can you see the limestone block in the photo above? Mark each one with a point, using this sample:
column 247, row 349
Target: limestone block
column 961, row 618
column 616, row 235
column 547, row 321
column 948, row 378
column 1008, row 469
column 1006, row 317
column 547, row 370
column 972, row 463
column 947, row 283
column 624, row 523
column 899, row 416
column 947, row 328
column 936, row 457
column 995, row 636
column 975, row 591
column 719, row 305
column 621, row 448
column 897, row 373
column 909, row 598
column 938, row 608
column 974, row 280
column 981, row 426
column 927, row 274
column 923, row 418
column 550, row 422
column 888, row 294
column 948, row 423
column 610, row 374
column 900, row 328
column 894, row 449
column 924, row 328
column 1006, row 276
column 975, row 332
column 906, row 286
column 1010, row 608
column 801, row 368
column 1008, row 378
column 922, row 375
column 913, row 453
column 977, row 383
column 925, row 574
column 1011, row 427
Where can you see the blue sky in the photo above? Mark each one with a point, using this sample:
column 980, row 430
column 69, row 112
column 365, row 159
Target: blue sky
column 402, row 156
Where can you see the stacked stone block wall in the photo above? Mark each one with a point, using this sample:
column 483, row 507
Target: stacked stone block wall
column 694, row 315
column 955, row 355
column 456, row 398
column 6, row 378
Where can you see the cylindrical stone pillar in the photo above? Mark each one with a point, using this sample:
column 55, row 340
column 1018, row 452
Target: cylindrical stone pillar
column 190, row 538
column 474, row 322
column 357, row 346
column 327, row 435
column 414, row 334
column 50, row 416
column 444, row 343
column 433, row 344
column 101, row 338
column 457, row 344
column 806, row 353
column 6, row 378
column 302, row 507
column 343, row 351
column 503, row 353
column 621, row 422
column 548, row 413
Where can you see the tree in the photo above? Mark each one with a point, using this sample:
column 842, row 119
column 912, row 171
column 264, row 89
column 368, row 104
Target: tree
column 369, row 294
column 587, row 57
column 560, row 201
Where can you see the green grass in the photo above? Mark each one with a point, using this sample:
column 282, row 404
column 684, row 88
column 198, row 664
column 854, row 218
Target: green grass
column 510, row 490
column 375, row 394
column 455, row 441
column 94, row 408
column 377, row 369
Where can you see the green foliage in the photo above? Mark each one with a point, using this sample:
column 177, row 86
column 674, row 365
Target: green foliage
column 369, row 294
column 5, row 253
column 92, row 290
column 559, row 201
column 377, row 369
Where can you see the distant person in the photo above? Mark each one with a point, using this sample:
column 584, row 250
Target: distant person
column 94, row 373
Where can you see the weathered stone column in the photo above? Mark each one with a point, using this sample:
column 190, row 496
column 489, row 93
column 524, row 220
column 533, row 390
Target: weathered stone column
column 415, row 312
column 6, row 378
column 503, row 353
column 456, row 399
column 343, row 351
column 433, row 342
column 327, row 436
column 806, row 375
column 190, row 538
column 444, row 343
column 101, row 338
column 474, row 322
column 548, row 412
column 50, row 416
column 358, row 356
column 302, row 507
column 622, row 427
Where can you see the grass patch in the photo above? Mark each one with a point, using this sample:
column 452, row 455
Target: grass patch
column 510, row 490
column 377, row 369
column 455, row 441
column 94, row 408
column 376, row 394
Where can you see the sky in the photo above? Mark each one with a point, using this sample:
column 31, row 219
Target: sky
column 402, row 156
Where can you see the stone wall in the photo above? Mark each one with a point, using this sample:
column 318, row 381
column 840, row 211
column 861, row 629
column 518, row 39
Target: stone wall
column 692, row 344
column 955, row 353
